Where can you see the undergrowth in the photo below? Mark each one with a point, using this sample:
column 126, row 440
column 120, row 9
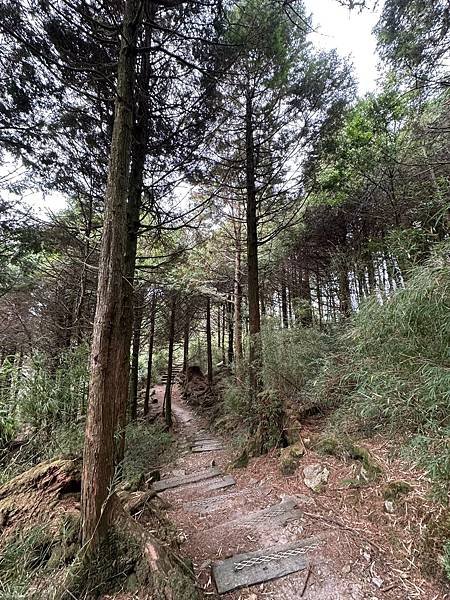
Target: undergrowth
column 146, row 444
column 396, row 375
column 385, row 370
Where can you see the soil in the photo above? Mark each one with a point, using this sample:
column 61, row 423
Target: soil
column 367, row 550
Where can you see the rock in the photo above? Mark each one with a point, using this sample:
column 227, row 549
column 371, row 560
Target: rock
column 290, row 457
column 315, row 476
column 395, row 489
column 377, row 581
column 178, row 472
column 389, row 506
column 344, row 448
column 132, row 583
column 346, row 569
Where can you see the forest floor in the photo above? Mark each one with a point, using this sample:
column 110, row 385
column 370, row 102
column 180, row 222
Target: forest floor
column 363, row 550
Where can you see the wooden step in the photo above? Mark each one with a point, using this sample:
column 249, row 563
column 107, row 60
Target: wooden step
column 174, row 482
column 243, row 570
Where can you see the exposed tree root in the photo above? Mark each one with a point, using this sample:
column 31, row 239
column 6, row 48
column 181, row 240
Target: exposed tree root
column 39, row 492
column 131, row 558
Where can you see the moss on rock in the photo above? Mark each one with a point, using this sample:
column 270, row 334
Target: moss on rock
column 395, row 489
column 290, row 458
column 345, row 449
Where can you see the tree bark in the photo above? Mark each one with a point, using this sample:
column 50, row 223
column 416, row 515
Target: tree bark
column 305, row 295
column 219, row 317
column 138, row 156
column 209, row 341
column 238, row 306
column 107, row 338
column 187, row 327
column 255, row 349
column 134, row 379
column 345, row 306
column 319, row 300
column 151, row 341
column 223, row 334
column 230, row 352
column 168, row 392
column 284, row 306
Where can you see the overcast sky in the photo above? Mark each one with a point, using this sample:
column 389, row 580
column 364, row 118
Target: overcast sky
column 349, row 32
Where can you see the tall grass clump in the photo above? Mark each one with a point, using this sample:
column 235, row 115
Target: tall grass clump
column 292, row 357
column 394, row 366
column 42, row 405
column 50, row 395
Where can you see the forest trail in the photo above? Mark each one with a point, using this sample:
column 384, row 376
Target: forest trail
column 217, row 519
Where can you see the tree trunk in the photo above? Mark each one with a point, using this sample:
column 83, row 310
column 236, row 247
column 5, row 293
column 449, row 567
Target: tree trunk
column 138, row 156
column 230, row 330
column 134, row 380
column 305, row 295
column 168, row 394
column 289, row 303
column 284, row 306
column 107, row 338
column 238, row 307
column 345, row 305
column 371, row 273
column 151, row 341
column 187, row 327
column 319, row 300
column 209, row 341
column 219, row 317
column 255, row 349
column 223, row 334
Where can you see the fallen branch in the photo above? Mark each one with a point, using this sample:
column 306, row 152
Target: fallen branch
column 305, row 583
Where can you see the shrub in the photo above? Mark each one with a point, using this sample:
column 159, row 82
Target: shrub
column 145, row 445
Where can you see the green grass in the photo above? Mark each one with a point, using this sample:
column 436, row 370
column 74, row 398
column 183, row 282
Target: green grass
column 26, row 555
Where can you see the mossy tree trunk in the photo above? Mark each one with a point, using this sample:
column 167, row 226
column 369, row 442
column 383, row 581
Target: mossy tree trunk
column 140, row 134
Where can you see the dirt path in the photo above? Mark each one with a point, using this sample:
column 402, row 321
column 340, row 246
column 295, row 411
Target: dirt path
column 347, row 562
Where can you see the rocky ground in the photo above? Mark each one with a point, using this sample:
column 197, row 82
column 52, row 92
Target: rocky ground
column 367, row 541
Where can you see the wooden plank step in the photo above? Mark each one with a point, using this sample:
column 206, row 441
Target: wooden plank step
column 219, row 483
column 204, row 438
column 174, row 482
column 243, row 570
column 209, row 442
column 209, row 505
column 278, row 514
column 207, row 447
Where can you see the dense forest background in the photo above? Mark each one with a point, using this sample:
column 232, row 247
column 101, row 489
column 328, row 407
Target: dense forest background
column 260, row 221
